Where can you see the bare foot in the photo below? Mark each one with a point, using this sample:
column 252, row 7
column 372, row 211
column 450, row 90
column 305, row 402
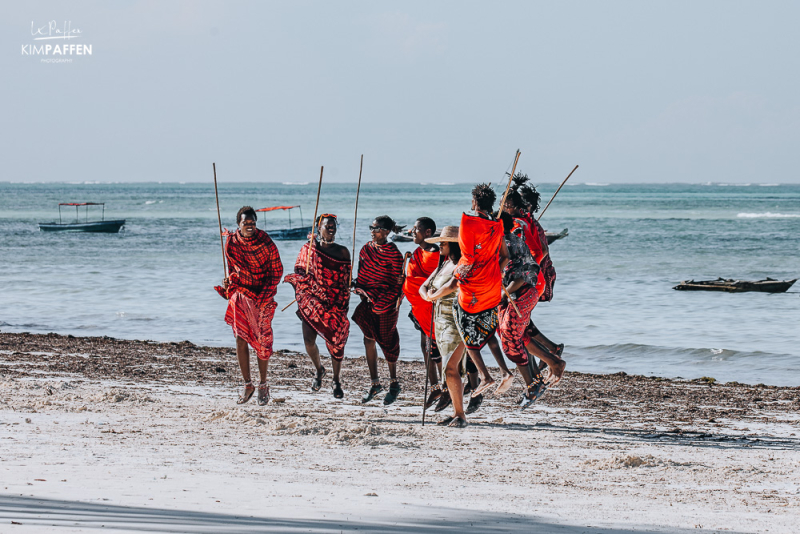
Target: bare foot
column 556, row 373
column 505, row 384
column 484, row 385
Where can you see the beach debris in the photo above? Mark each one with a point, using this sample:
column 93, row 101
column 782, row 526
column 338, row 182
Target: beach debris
column 219, row 369
column 115, row 395
column 371, row 494
column 28, row 420
column 631, row 461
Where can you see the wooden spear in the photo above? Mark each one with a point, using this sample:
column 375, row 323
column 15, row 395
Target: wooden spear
column 219, row 220
column 500, row 211
column 314, row 225
column 554, row 194
column 311, row 239
column 355, row 220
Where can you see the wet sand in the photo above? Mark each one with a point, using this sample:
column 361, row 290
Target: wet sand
column 137, row 435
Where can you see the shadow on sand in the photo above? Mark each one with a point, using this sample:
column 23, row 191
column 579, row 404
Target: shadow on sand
column 31, row 512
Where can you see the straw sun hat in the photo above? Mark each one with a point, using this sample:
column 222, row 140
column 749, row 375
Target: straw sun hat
column 449, row 234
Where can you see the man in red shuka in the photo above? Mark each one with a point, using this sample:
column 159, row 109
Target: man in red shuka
column 323, row 298
column 254, row 270
column 379, row 284
column 423, row 262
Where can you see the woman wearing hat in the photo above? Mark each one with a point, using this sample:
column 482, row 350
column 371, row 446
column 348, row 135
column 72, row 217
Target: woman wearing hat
column 440, row 288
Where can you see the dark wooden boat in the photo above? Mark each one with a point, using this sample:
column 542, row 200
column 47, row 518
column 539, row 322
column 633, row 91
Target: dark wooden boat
column 101, row 226
column 552, row 236
column 769, row 285
column 298, row 233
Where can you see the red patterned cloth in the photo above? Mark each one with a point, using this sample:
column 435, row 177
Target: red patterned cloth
column 252, row 323
column 538, row 246
column 254, row 268
column 478, row 270
column 323, row 296
column 379, row 271
column 420, row 267
column 513, row 331
column 380, row 327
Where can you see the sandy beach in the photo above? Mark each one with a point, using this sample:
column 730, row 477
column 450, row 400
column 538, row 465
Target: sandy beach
column 133, row 436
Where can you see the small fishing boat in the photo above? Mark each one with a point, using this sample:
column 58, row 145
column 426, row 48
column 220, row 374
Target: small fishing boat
column 298, row 233
column 769, row 285
column 101, row 226
column 552, row 236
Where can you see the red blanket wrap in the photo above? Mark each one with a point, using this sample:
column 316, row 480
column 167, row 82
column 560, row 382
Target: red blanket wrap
column 323, row 296
column 379, row 271
column 513, row 326
column 420, row 267
column 380, row 327
column 538, row 246
column 478, row 271
column 254, row 268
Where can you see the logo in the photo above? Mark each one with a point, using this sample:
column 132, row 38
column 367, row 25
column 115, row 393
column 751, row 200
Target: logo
column 53, row 42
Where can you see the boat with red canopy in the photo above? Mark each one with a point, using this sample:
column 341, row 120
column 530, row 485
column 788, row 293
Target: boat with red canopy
column 289, row 234
column 101, row 226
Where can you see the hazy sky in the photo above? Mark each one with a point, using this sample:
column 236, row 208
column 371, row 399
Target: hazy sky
column 427, row 91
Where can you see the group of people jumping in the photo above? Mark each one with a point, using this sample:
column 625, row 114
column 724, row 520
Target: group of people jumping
column 466, row 285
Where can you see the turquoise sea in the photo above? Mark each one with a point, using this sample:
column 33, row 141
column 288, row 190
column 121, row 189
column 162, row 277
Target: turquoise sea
column 613, row 308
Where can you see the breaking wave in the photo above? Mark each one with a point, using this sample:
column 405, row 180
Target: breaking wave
column 768, row 215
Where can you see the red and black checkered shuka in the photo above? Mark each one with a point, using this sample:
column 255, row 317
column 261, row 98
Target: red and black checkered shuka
column 379, row 270
column 323, row 296
column 254, row 271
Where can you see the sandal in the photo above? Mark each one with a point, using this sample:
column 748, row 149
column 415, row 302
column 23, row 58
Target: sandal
column 474, row 403
column 263, row 394
column 436, row 393
column 369, row 395
column 533, row 392
column 317, row 382
column 249, row 389
column 458, row 423
column 444, row 401
column 446, row 421
column 337, row 390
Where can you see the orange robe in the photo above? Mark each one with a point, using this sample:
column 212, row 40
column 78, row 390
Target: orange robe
column 480, row 282
column 420, row 267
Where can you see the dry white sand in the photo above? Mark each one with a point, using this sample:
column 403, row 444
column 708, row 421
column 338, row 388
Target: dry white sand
column 79, row 454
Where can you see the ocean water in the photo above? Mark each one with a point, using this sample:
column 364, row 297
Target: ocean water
column 613, row 308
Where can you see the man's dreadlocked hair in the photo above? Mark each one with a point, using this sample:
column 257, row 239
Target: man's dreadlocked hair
column 246, row 210
column 484, row 195
column 524, row 194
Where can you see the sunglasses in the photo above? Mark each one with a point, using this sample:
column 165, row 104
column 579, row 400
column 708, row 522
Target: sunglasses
column 377, row 229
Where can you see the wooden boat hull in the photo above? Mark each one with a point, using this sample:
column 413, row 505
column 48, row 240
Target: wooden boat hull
column 552, row 236
column 290, row 234
column 104, row 227
column 737, row 286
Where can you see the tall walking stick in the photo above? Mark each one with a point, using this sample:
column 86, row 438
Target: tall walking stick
column 314, row 225
column 428, row 363
column 554, row 194
column 355, row 220
column 502, row 206
column 508, row 186
column 219, row 220
column 311, row 239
